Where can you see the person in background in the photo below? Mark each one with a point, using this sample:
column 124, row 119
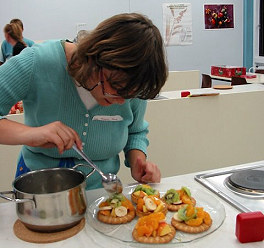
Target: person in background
column 92, row 93
column 1, row 57
column 7, row 48
column 13, row 35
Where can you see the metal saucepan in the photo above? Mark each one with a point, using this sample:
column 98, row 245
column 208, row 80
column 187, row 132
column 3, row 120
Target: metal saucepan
column 49, row 200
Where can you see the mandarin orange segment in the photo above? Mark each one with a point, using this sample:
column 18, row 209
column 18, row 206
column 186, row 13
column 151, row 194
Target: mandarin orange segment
column 159, row 216
column 103, row 204
column 145, row 230
column 190, row 211
column 154, row 223
column 140, row 204
column 180, row 192
column 186, row 199
column 194, row 222
column 141, row 230
column 200, row 213
column 142, row 194
column 105, row 212
column 149, row 225
column 127, row 204
column 207, row 218
column 152, row 217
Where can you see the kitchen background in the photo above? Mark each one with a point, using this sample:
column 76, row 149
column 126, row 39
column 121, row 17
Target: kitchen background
column 216, row 124
column 206, row 143
column 58, row 19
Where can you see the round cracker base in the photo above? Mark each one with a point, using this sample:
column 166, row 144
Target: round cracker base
column 175, row 208
column 181, row 226
column 155, row 240
column 117, row 220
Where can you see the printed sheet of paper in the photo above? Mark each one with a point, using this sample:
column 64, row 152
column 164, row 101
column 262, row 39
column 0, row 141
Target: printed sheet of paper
column 177, row 24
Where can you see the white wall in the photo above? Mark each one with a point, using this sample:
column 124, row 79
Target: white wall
column 210, row 47
column 195, row 134
column 52, row 19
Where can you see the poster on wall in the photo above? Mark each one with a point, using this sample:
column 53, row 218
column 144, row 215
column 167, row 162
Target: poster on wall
column 218, row 16
column 177, row 24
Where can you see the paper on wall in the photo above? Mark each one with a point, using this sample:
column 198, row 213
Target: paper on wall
column 177, row 24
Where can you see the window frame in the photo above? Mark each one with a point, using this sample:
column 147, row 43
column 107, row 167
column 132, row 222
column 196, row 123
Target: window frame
column 257, row 58
column 261, row 28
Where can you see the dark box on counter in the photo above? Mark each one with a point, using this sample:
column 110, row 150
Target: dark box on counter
column 227, row 71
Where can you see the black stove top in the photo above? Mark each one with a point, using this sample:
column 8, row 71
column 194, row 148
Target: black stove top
column 248, row 180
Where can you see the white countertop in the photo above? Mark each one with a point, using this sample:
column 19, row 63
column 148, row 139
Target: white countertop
column 88, row 237
column 236, row 89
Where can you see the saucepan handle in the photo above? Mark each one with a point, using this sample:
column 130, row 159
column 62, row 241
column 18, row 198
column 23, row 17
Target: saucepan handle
column 13, row 198
column 85, row 165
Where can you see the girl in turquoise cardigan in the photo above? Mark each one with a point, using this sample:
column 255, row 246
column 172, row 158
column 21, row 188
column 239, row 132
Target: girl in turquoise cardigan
column 92, row 93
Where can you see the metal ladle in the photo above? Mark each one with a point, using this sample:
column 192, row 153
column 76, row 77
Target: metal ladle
column 111, row 182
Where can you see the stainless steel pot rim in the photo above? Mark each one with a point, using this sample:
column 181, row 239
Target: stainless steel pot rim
column 48, row 169
column 47, row 194
column 45, row 170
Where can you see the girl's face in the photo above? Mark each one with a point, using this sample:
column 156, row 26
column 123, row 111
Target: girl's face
column 104, row 94
column 7, row 37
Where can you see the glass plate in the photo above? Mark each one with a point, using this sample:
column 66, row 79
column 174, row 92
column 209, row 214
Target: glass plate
column 123, row 232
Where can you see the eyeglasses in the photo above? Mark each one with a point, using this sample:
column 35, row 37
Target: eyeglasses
column 101, row 82
column 103, row 89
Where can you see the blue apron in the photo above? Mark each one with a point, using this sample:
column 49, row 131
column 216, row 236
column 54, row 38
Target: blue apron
column 22, row 168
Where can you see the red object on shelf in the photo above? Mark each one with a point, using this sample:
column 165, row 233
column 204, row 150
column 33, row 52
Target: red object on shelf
column 185, row 93
column 250, row 227
column 228, row 71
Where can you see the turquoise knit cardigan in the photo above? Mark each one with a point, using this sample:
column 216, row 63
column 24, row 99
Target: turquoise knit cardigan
column 38, row 76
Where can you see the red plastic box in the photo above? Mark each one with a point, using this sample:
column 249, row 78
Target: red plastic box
column 228, row 71
column 185, row 93
column 250, row 227
column 248, row 76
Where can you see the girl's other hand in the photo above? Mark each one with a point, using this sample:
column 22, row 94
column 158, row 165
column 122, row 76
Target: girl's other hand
column 145, row 172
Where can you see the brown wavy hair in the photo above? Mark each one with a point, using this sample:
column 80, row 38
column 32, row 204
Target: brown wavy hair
column 127, row 42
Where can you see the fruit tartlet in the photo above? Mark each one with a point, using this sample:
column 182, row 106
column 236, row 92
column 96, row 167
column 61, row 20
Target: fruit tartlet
column 143, row 190
column 175, row 199
column 116, row 210
column 150, row 204
column 191, row 219
column 153, row 229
